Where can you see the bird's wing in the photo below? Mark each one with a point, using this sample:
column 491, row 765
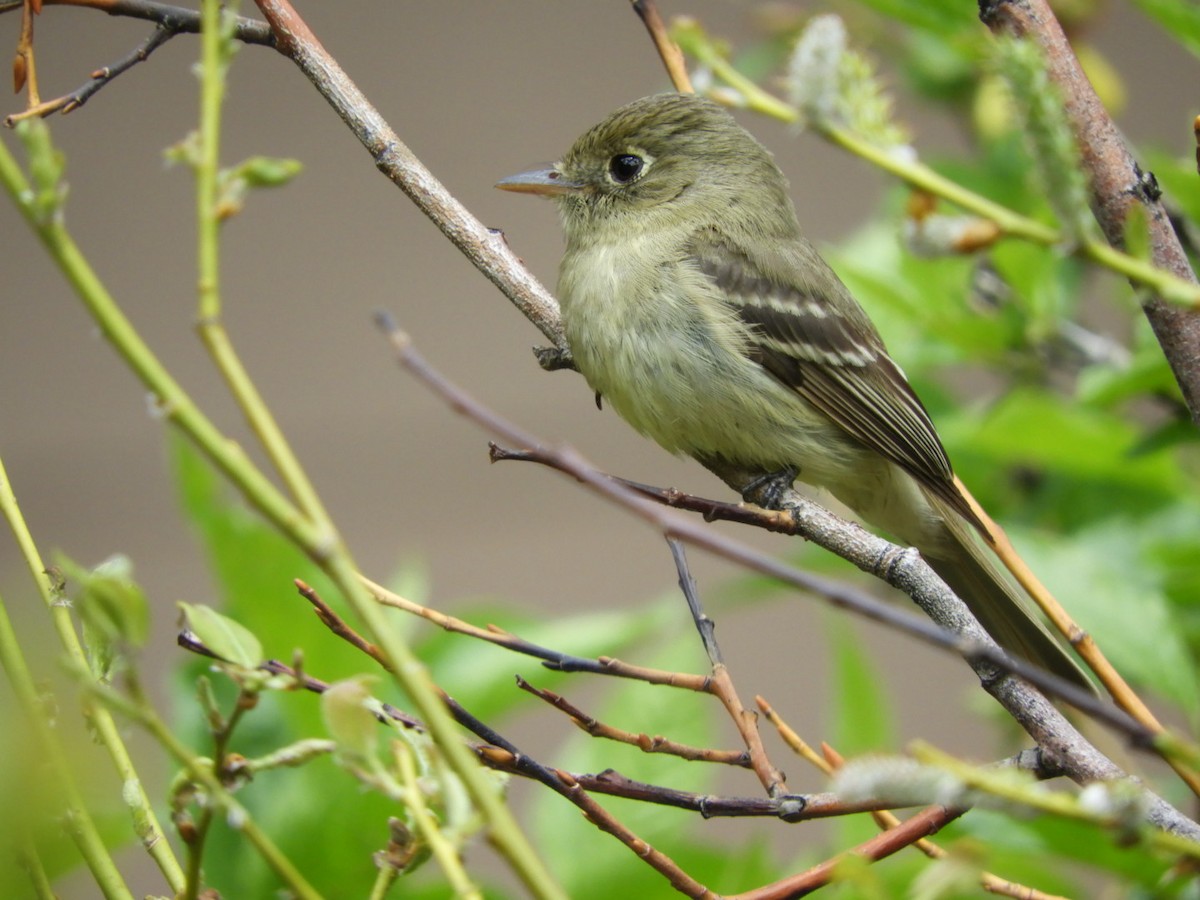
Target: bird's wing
column 824, row 347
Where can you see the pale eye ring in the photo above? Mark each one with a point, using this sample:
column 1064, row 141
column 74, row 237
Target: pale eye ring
column 625, row 167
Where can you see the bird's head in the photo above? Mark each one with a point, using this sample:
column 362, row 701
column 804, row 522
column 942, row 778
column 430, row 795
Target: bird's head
column 669, row 157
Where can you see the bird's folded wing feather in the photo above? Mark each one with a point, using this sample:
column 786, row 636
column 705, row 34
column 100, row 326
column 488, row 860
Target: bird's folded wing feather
column 830, row 354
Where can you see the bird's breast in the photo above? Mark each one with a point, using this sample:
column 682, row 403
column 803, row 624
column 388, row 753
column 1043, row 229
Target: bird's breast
column 656, row 340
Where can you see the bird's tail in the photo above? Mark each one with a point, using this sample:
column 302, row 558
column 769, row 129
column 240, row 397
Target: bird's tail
column 1002, row 607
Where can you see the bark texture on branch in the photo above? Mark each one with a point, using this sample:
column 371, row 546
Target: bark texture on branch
column 1117, row 181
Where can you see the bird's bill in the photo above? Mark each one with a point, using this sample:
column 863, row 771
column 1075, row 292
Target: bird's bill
column 544, row 180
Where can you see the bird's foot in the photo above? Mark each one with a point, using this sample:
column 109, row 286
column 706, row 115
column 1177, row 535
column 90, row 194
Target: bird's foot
column 767, row 490
column 554, row 358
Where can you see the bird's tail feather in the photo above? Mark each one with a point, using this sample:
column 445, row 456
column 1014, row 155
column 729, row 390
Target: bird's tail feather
column 1002, row 607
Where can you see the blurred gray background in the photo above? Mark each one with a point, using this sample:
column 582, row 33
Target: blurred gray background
column 478, row 91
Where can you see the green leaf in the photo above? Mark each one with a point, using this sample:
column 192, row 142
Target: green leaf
column 267, row 171
column 921, row 306
column 350, row 722
column 1111, row 579
column 862, row 720
column 1043, row 851
column 1078, row 460
column 113, row 608
column 945, row 18
column 1146, row 375
column 228, row 639
column 861, row 713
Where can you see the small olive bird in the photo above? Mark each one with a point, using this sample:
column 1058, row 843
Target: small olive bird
column 694, row 305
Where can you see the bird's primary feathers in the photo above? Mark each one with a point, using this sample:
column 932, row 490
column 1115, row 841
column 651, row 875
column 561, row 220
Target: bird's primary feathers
column 695, row 306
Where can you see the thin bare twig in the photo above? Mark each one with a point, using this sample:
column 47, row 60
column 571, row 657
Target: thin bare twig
column 928, row 821
column 177, row 18
column 668, row 50
column 499, row 754
column 551, row 659
column 170, row 21
column 745, row 720
column 644, row 742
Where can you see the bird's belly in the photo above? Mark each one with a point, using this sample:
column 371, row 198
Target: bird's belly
column 686, row 383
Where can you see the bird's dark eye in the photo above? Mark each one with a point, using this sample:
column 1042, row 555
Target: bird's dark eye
column 624, row 167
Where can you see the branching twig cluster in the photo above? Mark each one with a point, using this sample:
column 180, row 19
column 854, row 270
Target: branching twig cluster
column 1061, row 750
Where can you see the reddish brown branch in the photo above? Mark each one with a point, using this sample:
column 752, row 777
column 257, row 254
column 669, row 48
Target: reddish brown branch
column 644, row 742
column 923, row 824
column 338, row 625
column 1117, row 181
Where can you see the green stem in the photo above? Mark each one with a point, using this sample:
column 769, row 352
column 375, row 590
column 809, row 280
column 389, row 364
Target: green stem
column 999, row 783
column 384, row 879
column 212, row 91
column 210, row 325
column 195, row 859
column 146, row 823
column 76, row 818
column 173, row 402
column 921, row 177
column 445, row 853
column 336, row 560
column 141, row 711
column 31, row 863
column 318, row 540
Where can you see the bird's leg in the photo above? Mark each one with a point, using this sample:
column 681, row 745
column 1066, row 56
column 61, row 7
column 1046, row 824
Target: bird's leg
column 767, row 490
column 554, row 358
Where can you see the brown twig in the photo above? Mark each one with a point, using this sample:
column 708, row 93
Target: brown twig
column 502, row 756
column 928, row 821
column 552, row 659
column 557, row 780
column 72, row 101
column 24, row 69
column 721, row 685
column 179, row 19
column 170, row 21
column 668, row 50
column 338, row 625
column 1117, row 182
column 644, row 742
